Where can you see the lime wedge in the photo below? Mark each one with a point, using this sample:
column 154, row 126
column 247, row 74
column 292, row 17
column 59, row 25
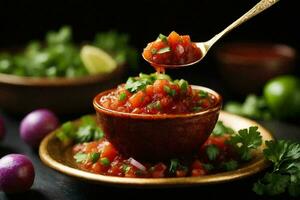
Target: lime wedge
column 96, row 60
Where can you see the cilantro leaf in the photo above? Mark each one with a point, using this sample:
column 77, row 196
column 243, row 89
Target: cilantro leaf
column 230, row 165
column 271, row 184
column 245, row 141
column 162, row 37
column 174, row 165
column 285, row 156
column 212, row 151
column 134, row 84
column 94, row 157
column 169, row 91
column 81, row 157
column 87, row 131
column 220, row 129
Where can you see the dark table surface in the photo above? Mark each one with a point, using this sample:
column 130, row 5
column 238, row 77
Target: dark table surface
column 50, row 184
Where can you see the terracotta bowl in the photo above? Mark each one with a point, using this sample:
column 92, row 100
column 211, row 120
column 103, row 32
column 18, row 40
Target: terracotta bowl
column 157, row 137
column 246, row 67
column 20, row 95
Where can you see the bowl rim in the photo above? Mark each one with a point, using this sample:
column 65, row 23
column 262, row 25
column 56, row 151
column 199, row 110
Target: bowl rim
column 58, row 81
column 216, row 108
column 283, row 51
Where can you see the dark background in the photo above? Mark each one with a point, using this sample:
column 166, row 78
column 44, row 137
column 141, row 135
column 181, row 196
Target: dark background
column 22, row 21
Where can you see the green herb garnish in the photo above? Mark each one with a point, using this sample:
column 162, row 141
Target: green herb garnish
column 169, row 91
column 163, row 38
column 174, row 165
column 153, row 51
column 122, row 96
column 125, row 168
column 212, row 152
column 183, row 84
column 285, row 176
column 230, row 165
column 81, row 157
column 105, row 161
column 94, row 157
column 220, row 129
column 203, row 94
column 86, row 132
column 154, row 105
column 197, row 108
column 245, row 141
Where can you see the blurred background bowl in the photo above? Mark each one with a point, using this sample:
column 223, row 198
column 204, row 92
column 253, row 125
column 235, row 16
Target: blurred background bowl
column 64, row 96
column 246, row 67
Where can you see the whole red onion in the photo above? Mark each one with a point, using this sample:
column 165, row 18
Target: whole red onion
column 36, row 125
column 16, row 173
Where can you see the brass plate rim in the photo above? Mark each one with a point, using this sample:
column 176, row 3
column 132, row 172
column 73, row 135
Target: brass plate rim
column 243, row 172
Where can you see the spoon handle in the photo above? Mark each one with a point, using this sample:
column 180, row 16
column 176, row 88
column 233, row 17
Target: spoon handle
column 258, row 8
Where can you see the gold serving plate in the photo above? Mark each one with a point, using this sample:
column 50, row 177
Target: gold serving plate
column 59, row 157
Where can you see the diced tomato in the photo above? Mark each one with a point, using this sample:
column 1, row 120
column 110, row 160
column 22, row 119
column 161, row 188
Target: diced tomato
column 137, row 99
column 198, row 169
column 91, row 147
column 176, row 50
column 158, row 86
column 181, row 173
column 158, row 171
column 109, row 151
column 168, row 95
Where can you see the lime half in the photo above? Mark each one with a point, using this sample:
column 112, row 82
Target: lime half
column 96, row 60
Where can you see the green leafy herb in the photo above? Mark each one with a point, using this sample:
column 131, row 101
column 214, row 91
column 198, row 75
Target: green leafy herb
column 169, row 91
column 208, row 166
column 220, row 129
column 105, row 161
column 86, row 132
column 245, row 141
column 66, row 132
column 212, row 152
column 154, row 51
column 272, row 184
column 154, row 105
column 136, row 84
column 230, row 165
column 163, row 50
column 81, row 157
column 117, row 44
column 163, row 38
column 174, row 165
column 122, row 96
column 94, row 157
column 125, row 168
column 285, row 156
column 183, row 84
column 197, row 108
column 254, row 107
column 203, row 94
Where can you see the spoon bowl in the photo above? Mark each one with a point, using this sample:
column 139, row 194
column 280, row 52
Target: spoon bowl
column 205, row 46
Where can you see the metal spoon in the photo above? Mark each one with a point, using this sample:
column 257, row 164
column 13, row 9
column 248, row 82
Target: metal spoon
column 205, row 46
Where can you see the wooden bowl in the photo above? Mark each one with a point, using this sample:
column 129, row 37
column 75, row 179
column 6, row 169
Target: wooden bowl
column 246, row 67
column 158, row 137
column 64, row 96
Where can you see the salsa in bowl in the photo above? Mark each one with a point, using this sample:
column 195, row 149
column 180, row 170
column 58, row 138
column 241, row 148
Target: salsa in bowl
column 152, row 117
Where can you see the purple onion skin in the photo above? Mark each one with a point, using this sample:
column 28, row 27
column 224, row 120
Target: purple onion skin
column 36, row 125
column 2, row 129
column 16, row 172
